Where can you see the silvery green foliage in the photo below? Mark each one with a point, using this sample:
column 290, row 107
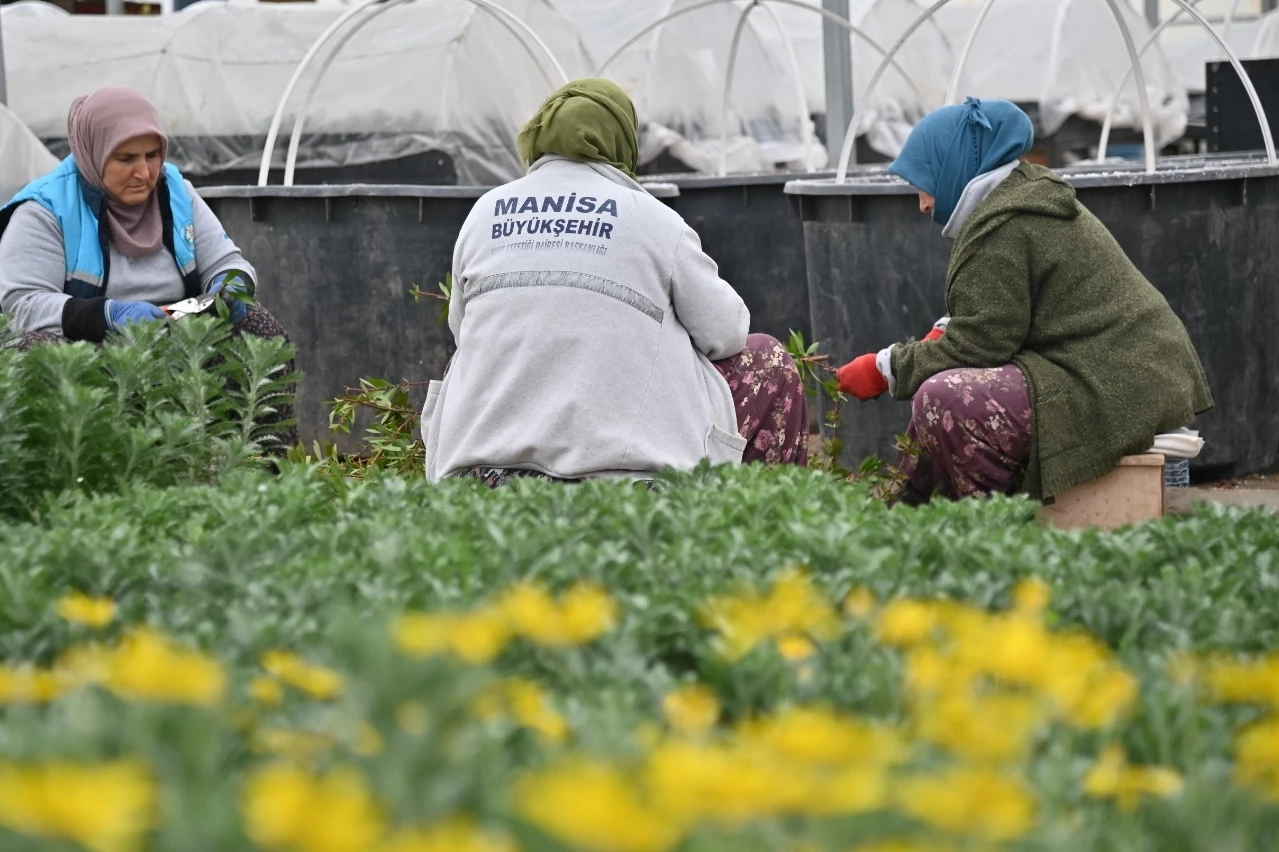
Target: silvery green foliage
column 163, row 404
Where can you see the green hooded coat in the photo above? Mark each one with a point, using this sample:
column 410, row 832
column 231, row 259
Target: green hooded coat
column 1036, row 280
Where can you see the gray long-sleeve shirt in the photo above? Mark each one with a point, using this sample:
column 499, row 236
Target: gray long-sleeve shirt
column 33, row 267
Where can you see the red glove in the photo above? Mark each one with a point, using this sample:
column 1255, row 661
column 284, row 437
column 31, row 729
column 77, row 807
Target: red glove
column 861, row 378
column 935, row 334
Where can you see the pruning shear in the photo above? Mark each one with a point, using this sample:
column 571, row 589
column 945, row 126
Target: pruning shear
column 194, row 305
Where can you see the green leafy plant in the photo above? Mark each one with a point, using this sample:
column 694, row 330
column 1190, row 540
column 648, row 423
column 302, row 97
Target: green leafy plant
column 818, row 377
column 389, row 443
column 164, row 403
column 259, row 563
column 445, row 292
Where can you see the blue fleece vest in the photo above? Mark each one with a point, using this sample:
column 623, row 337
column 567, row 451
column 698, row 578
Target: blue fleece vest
column 85, row 239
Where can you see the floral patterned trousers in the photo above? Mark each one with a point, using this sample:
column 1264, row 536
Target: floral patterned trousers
column 974, row 427
column 772, row 412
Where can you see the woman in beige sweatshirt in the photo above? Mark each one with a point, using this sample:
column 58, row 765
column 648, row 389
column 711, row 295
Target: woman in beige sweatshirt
column 595, row 337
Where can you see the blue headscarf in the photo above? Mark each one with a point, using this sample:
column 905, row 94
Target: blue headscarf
column 955, row 144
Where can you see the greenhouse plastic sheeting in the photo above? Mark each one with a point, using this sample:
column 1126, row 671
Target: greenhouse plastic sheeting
column 428, row 75
column 676, row 76
column 23, row 157
column 32, row 9
column 1189, row 48
column 1067, row 56
column 895, row 106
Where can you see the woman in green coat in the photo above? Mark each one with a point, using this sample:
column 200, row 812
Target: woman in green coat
column 1057, row 356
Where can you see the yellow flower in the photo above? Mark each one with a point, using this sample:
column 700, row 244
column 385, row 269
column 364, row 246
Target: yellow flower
column 810, row 735
column 1032, row 596
column 317, row 681
column 107, row 807
column 1257, row 758
column 84, row 665
column 727, row 783
column 796, row 648
column 91, row 612
column 931, row 672
column 149, row 667
column 28, row 686
column 906, row 622
column 477, row 638
column 1183, row 669
column 1012, row 648
column 848, row 790
column 1111, row 776
column 413, row 717
column 1111, row 692
column 527, row 703
column 585, row 613
column 860, row 602
column 594, row 806
column 453, row 835
column 1244, row 681
column 976, row 802
column 993, row 727
column 905, row 845
column 692, row 709
column 285, row 807
column 301, row 746
column 736, row 782
column 368, row 741
column 267, row 691
column 793, row 607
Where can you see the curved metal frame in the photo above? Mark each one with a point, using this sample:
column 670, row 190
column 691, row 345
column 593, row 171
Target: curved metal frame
column 1266, row 135
column 953, row 90
column 503, row 17
column 728, row 84
column 799, row 4
column 801, row 97
column 1114, row 101
column 1268, row 24
column 1189, row 8
column 507, row 18
column 1229, row 23
column 1139, row 77
column 850, row 138
column 268, row 149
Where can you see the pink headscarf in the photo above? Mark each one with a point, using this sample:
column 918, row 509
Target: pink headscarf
column 97, row 125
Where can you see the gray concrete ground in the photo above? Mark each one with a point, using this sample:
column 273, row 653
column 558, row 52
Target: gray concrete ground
column 1252, row 491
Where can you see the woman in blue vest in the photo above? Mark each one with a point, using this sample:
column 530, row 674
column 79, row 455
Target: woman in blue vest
column 115, row 233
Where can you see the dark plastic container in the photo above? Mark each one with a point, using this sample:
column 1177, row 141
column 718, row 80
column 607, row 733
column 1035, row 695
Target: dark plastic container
column 336, row 265
column 747, row 224
column 1203, row 230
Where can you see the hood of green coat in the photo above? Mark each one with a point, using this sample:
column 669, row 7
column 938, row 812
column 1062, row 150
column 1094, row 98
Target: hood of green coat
column 1030, row 190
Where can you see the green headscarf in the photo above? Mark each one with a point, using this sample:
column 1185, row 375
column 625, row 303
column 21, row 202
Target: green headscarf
column 590, row 120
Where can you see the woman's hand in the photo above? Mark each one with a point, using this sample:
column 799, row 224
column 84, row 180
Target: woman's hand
column 861, row 378
column 231, row 285
column 939, row 329
column 119, row 314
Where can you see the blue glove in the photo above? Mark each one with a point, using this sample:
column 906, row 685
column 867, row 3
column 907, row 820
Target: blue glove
column 238, row 284
column 120, row 314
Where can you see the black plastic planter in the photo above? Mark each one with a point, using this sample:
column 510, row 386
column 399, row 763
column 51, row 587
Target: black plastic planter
column 748, row 226
column 1203, row 230
column 337, row 264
